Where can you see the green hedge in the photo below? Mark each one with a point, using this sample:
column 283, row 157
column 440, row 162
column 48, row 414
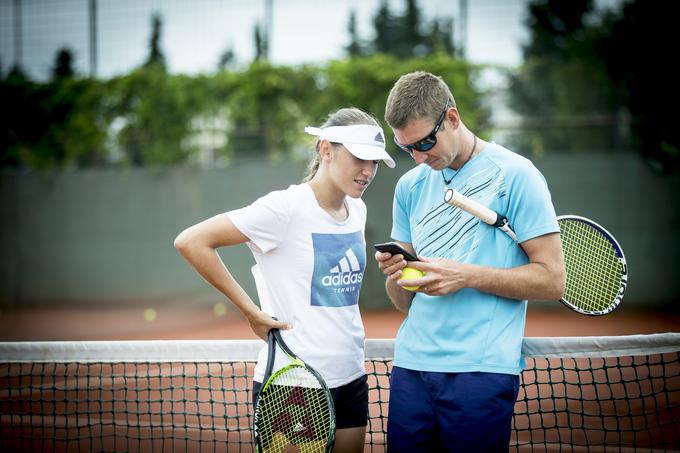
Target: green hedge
column 150, row 117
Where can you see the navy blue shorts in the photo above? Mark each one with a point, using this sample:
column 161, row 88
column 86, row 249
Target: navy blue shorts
column 350, row 402
column 462, row 412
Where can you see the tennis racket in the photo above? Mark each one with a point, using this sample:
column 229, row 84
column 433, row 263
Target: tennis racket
column 597, row 273
column 294, row 409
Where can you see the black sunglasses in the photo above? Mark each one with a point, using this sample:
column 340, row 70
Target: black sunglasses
column 425, row 144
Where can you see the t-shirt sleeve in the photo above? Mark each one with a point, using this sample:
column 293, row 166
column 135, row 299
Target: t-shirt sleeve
column 401, row 226
column 265, row 221
column 530, row 208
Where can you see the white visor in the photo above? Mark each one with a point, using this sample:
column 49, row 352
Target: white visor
column 362, row 140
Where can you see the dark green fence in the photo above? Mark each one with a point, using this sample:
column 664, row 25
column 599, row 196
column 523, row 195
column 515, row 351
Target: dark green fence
column 101, row 236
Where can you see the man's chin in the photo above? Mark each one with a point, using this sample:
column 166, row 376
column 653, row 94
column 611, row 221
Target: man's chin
column 437, row 165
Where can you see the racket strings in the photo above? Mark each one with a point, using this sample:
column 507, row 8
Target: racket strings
column 294, row 410
column 594, row 270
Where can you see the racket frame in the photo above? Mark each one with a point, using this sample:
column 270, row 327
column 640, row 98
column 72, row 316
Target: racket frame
column 495, row 219
column 619, row 254
column 274, row 338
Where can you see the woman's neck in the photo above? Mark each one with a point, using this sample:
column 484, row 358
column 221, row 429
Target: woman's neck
column 329, row 198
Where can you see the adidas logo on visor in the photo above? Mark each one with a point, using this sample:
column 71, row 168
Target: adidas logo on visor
column 379, row 138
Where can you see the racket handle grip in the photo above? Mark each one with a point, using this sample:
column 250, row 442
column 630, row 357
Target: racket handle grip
column 486, row 215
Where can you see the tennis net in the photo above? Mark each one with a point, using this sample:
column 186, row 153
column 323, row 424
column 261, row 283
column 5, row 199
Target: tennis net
column 576, row 394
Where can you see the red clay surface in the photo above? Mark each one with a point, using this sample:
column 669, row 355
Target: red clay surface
column 127, row 322
column 184, row 322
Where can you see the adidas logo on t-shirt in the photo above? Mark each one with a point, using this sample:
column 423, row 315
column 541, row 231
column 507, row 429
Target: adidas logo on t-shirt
column 339, row 264
column 347, row 272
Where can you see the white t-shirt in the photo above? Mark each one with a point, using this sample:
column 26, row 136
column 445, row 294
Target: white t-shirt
column 308, row 273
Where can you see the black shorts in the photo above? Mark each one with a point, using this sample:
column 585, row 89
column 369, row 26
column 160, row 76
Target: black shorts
column 350, row 402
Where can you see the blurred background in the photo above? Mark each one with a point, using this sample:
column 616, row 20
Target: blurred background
column 125, row 122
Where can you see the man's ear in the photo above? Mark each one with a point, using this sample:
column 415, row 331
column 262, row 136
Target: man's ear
column 453, row 117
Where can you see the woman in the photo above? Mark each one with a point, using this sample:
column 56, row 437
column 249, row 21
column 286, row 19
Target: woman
column 308, row 242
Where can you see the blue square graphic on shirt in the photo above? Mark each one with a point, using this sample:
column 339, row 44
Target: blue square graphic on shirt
column 339, row 263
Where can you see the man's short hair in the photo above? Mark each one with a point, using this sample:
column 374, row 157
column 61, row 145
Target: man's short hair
column 417, row 95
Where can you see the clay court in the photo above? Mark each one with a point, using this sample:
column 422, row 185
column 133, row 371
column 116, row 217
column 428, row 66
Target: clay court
column 130, row 322
column 204, row 406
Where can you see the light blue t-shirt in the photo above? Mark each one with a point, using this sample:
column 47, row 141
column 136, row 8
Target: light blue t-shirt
column 469, row 330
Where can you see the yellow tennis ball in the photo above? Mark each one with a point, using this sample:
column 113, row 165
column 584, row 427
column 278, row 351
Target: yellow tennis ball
column 409, row 273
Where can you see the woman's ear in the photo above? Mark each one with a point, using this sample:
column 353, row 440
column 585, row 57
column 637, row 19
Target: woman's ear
column 325, row 149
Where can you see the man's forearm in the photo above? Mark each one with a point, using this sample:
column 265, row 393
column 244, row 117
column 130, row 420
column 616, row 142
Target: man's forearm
column 532, row 281
column 543, row 278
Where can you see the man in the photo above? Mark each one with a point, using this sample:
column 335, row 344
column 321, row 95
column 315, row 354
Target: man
column 457, row 354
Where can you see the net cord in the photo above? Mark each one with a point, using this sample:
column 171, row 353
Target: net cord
column 247, row 350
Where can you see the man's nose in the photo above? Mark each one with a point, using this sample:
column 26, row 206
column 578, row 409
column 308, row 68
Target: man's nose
column 419, row 157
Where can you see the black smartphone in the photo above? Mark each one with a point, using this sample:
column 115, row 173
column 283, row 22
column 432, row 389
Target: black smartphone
column 395, row 249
